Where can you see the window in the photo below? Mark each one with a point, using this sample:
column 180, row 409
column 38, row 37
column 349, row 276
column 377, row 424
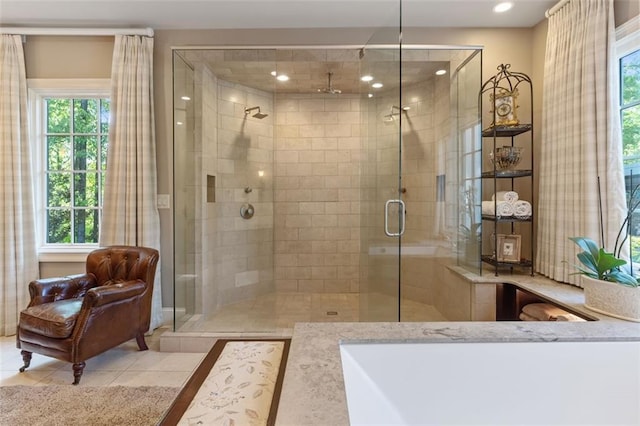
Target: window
column 628, row 53
column 70, row 128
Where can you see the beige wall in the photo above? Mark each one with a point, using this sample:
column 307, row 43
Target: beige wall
column 68, row 57
column 624, row 10
column 90, row 57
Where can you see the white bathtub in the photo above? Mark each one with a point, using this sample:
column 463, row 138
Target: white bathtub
column 529, row 383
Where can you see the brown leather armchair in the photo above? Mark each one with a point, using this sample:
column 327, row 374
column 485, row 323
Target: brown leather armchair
column 77, row 317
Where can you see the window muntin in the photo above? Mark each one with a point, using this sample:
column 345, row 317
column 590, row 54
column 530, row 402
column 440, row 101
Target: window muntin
column 69, row 130
column 630, row 108
column 76, row 140
column 629, row 83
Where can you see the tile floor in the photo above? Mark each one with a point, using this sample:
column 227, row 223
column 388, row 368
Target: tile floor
column 124, row 365
column 278, row 312
column 271, row 314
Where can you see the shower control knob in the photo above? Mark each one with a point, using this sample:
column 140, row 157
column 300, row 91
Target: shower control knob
column 247, row 211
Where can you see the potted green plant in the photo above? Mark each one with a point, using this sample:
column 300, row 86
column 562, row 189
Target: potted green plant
column 601, row 265
column 609, row 285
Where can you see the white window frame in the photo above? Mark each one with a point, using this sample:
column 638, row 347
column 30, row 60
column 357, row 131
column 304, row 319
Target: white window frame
column 39, row 89
column 627, row 42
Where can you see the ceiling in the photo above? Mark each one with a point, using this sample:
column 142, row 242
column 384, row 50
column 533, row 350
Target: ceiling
column 225, row 14
column 308, row 68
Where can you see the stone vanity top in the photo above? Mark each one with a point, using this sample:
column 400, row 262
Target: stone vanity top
column 313, row 392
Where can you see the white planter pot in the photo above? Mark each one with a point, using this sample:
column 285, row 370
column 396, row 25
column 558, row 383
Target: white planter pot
column 612, row 299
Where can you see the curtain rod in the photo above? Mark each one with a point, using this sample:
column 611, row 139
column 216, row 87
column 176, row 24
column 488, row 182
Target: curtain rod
column 76, row 31
column 556, row 8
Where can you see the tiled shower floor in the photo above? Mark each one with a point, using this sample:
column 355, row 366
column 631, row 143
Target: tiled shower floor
column 278, row 312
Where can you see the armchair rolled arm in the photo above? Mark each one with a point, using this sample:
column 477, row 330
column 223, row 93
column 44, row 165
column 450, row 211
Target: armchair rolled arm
column 106, row 294
column 48, row 290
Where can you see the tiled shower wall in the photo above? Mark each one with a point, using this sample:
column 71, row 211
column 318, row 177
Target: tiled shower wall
column 305, row 236
column 244, row 249
column 317, row 199
column 236, row 167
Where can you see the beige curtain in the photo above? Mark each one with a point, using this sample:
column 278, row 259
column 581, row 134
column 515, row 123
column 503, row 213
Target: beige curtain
column 19, row 260
column 580, row 137
column 130, row 215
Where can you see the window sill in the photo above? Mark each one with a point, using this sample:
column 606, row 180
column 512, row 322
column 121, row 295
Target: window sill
column 64, row 255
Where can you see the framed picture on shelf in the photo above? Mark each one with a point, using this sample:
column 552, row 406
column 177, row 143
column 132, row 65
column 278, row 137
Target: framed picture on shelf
column 508, row 248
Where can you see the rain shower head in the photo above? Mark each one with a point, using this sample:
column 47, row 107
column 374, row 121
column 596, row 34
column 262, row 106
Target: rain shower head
column 257, row 115
column 330, row 89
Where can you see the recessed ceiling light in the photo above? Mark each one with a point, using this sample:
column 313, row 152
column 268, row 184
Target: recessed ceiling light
column 441, row 72
column 185, row 98
column 377, row 85
column 502, row 7
column 282, row 77
column 366, row 78
column 370, row 95
column 179, row 123
column 273, row 73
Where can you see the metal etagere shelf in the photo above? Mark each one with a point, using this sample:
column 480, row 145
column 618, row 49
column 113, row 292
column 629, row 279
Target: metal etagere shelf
column 500, row 94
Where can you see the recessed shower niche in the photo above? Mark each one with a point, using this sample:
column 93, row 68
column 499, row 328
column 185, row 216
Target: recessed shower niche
column 359, row 166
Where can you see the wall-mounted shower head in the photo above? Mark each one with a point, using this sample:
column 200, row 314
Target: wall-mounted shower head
column 257, row 115
column 395, row 110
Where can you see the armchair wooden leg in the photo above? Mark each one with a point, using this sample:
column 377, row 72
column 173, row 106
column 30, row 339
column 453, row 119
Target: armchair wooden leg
column 78, row 368
column 141, row 343
column 26, row 358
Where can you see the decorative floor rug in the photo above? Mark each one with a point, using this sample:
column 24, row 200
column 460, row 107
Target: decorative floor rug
column 238, row 383
column 67, row 405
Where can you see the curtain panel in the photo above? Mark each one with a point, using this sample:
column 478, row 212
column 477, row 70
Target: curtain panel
column 581, row 139
column 19, row 260
column 130, row 214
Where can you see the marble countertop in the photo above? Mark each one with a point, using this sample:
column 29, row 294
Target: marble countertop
column 313, row 392
column 565, row 295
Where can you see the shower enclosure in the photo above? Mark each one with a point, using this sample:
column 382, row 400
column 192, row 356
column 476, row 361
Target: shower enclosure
column 323, row 184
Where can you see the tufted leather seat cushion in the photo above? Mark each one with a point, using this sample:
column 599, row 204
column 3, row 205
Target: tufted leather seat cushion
column 55, row 319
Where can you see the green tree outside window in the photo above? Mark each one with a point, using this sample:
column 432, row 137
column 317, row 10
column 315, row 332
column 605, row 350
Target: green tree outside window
column 630, row 122
column 76, row 149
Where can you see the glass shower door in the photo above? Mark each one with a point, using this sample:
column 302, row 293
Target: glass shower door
column 420, row 186
column 382, row 208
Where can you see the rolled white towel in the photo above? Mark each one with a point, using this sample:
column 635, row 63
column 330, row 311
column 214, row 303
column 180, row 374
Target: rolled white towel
column 509, row 196
column 504, row 208
column 522, row 209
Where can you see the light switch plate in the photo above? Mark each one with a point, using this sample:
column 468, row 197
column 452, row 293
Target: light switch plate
column 163, row 201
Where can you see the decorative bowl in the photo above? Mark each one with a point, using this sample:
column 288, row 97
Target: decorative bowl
column 506, row 157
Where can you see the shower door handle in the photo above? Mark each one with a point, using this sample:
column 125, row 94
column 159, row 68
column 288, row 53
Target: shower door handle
column 386, row 218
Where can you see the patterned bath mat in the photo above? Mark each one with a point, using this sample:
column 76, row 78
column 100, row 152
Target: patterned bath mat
column 238, row 383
